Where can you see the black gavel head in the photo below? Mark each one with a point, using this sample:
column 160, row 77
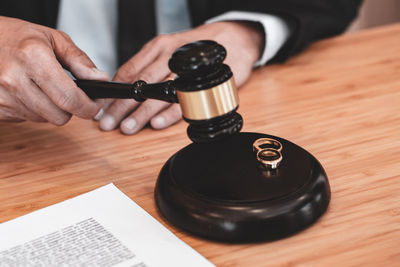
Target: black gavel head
column 206, row 91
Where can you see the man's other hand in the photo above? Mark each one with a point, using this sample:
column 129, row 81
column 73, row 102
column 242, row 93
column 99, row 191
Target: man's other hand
column 244, row 45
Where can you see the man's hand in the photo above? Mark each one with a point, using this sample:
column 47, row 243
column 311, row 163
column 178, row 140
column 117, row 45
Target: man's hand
column 243, row 42
column 33, row 83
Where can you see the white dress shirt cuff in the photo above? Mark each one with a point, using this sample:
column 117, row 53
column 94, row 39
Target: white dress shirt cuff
column 276, row 30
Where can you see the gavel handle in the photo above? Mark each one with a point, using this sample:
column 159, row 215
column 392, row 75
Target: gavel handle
column 139, row 90
column 101, row 89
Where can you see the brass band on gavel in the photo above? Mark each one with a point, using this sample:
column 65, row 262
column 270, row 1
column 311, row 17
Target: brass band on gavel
column 209, row 103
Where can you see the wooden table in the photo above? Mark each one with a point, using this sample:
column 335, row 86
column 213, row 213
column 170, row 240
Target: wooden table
column 340, row 100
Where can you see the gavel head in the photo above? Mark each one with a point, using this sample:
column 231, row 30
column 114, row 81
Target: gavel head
column 206, row 91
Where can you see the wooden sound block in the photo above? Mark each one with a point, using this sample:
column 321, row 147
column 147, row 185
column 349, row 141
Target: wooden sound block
column 220, row 191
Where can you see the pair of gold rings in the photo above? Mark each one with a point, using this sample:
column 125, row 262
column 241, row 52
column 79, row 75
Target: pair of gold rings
column 268, row 152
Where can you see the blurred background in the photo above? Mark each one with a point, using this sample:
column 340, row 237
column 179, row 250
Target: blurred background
column 375, row 13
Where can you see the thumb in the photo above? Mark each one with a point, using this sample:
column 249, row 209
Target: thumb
column 74, row 59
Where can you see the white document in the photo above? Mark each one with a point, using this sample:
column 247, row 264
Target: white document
column 100, row 228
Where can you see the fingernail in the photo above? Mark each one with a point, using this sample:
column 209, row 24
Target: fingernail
column 99, row 75
column 107, row 123
column 129, row 125
column 99, row 114
column 159, row 122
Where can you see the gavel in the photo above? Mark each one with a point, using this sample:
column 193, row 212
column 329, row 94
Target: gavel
column 204, row 88
column 227, row 185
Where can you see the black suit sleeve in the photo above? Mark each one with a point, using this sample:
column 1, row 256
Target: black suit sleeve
column 310, row 20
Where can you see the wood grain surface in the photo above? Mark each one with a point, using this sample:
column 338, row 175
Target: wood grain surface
column 340, row 100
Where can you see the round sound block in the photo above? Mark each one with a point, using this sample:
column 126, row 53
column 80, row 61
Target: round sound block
column 220, row 191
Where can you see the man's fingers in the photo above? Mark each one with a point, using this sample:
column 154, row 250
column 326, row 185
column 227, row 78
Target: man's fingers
column 156, row 72
column 142, row 115
column 77, row 62
column 104, row 103
column 150, row 65
column 167, row 117
column 35, row 100
column 21, row 94
column 116, row 112
column 9, row 115
column 145, row 57
column 48, row 74
column 74, row 59
column 32, row 75
column 11, row 109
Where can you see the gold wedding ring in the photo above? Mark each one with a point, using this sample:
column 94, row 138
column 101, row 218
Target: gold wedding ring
column 266, row 143
column 270, row 158
column 268, row 152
